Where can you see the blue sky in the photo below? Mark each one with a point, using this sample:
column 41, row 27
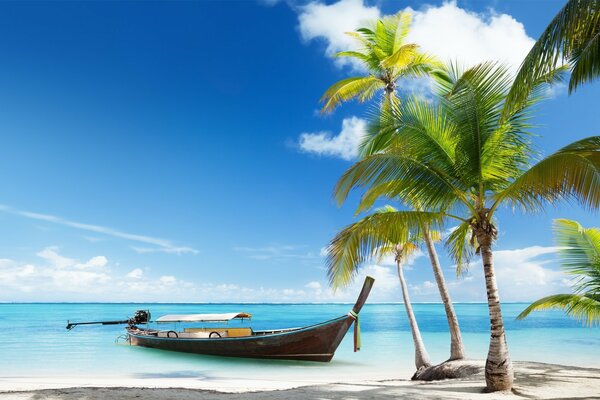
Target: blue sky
column 173, row 151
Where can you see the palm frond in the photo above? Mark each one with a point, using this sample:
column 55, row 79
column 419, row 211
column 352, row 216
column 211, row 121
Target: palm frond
column 403, row 57
column 367, row 238
column 429, row 187
column 579, row 253
column 422, row 65
column 586, row 61
column 538, row 90
column 347, row 89
column 402, row 28
column 460, row 245
column 571, row 173
column 415, row 127
column 475, row 101
column 575, row 25
column 581, row 307
column 353, row 54
column 385, row 56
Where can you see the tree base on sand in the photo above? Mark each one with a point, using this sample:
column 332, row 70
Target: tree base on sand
column 453, row 369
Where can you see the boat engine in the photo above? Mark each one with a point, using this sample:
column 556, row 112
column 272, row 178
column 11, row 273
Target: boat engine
column 140, row 317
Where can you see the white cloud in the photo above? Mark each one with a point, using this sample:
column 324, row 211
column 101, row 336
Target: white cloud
column 51, row 254
column 58, row 274
column 455, row 34
column 60, row 278
column 330, row 22
column 448, row 31
column 522, row 274
column 99, row 281
column 344, row 145
column 161, row 245
column 98, row 261
column 315, row 285
column 136, row 273
column 168, row 280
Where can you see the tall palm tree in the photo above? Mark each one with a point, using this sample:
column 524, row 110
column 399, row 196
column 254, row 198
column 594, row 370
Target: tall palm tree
column 375, row 237
column 580, row 257
column 461, row 159
column 572, row 37
column 385, row 57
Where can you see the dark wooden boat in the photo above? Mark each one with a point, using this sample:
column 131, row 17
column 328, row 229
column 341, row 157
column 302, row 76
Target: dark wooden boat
column 311, row 343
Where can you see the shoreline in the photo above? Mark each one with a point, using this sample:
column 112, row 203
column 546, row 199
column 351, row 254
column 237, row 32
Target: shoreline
column 532, row 380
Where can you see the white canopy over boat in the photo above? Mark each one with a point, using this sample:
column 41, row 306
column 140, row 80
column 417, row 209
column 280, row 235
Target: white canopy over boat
column 201, row 317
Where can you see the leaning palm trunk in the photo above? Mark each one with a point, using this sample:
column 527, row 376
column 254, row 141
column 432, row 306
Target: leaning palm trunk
column 498, row 366
column 421, row 356
column 457, row 350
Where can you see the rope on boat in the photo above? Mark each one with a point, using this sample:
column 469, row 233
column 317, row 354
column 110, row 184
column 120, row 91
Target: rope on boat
column 357, row 343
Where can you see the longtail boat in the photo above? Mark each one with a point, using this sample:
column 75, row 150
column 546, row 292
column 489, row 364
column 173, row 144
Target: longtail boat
column 310, row 343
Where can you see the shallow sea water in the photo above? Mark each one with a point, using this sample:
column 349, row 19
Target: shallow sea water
column 36, row 343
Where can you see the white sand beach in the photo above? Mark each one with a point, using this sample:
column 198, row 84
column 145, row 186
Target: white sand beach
column 533, row 381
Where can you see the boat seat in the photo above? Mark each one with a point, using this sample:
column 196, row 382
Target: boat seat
column 239, row 332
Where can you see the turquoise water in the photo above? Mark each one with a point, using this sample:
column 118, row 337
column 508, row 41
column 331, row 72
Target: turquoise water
column 36, row 342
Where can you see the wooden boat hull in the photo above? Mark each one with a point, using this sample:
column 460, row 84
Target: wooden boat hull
column 312, row 343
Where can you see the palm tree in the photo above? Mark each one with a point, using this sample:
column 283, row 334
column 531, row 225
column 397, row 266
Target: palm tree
column 580, row 256
column 377, row 236
column 572, row 37
column 385, row 57
column 461, row 159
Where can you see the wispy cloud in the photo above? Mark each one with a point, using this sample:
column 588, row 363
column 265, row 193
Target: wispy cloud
column 165, row 249
column 278, row 252
column 160, row 245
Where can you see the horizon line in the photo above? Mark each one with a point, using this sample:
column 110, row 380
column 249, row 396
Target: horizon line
column 251, row 303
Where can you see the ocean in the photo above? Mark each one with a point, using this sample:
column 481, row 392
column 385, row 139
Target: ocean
column 36, row 344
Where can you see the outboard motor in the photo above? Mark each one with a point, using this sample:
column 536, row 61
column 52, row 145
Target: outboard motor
column 140, row 317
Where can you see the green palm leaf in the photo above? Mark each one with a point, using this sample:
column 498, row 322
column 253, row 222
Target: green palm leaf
column 580, row 257
column 461, row 246
column 386, row 58
column 359, row 87
column 401, row 58
column 370, row 238
column 572, row 173
column 401, row 30
column 572, row 37
column 580, row 253
column 420, row 182
column 581, row 307
column 586, row 61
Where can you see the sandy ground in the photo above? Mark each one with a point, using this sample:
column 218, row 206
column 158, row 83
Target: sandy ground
column 533, row 381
